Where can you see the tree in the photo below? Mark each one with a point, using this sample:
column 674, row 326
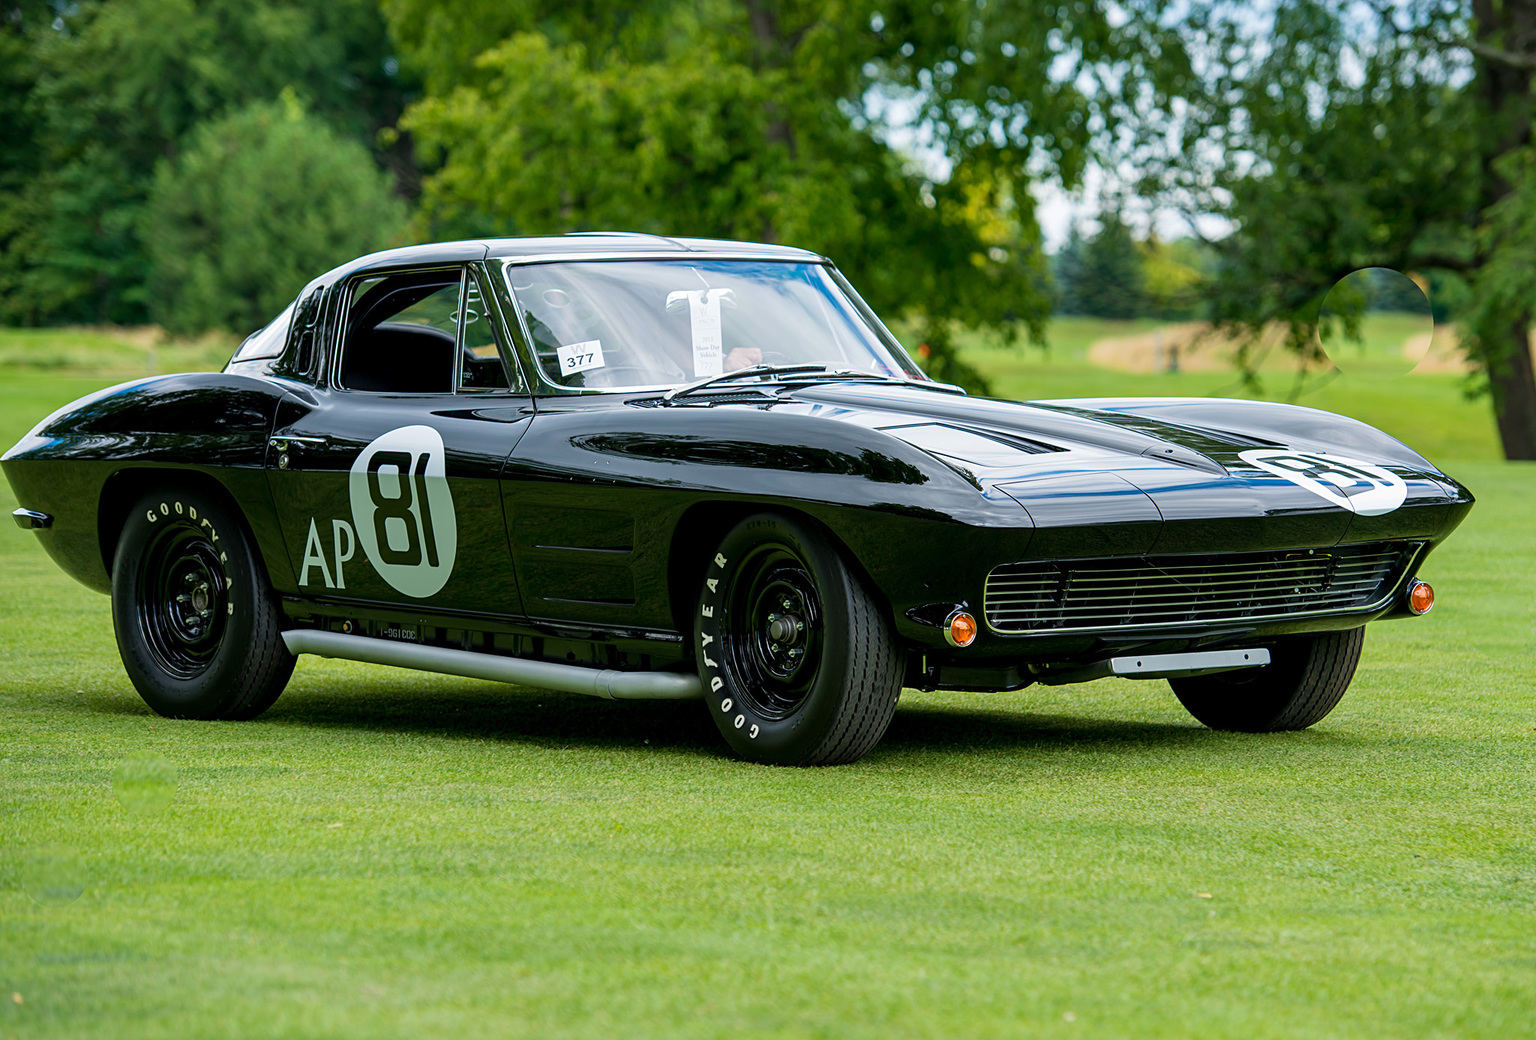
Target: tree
column 1338, row 136
column 756, row 119
column 1103, row 275
column 257, row 204
column 112, row 89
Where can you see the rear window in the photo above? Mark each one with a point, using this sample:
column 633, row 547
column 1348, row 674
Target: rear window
column 269, row 342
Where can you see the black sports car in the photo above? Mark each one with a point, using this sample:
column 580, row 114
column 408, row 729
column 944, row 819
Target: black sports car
column 644, row 467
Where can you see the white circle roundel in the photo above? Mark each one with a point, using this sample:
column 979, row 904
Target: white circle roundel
column 1349, row 484
column 403, row 511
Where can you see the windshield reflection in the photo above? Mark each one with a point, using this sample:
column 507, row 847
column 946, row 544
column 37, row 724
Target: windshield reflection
column 663, row 323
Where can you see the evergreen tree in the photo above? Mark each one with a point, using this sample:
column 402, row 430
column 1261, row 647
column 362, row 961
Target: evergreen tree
column 1103, row 275
column 258, row 203
column 107, row 90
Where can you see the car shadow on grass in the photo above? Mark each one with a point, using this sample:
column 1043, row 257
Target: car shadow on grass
column 547, row 719
column 544, row 719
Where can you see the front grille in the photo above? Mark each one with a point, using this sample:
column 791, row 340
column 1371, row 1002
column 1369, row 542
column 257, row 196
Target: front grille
column 1174, row 590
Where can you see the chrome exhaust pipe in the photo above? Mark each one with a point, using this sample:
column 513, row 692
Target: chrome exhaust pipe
column 607, row 683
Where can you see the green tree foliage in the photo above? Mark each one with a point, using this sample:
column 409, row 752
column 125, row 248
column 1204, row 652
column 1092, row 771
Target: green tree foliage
column 258, row 203
column 1103, row 274
column 1337, row 136
column 753, row 119
column 1113, row 274
column 112, row 89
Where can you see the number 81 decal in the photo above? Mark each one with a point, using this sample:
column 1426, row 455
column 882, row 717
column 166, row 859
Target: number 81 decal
column 403, row 511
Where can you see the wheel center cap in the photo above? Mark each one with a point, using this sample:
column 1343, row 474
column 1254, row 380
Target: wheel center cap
column 785, row 628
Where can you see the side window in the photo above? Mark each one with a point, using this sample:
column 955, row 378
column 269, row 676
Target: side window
column 480, row 366
column 306, row 320
column 267, row 342
column 402, row 333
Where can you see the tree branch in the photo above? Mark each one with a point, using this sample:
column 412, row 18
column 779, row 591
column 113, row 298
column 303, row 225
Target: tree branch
column 1386, row 11
column 1444, row 261
column 1497, row 55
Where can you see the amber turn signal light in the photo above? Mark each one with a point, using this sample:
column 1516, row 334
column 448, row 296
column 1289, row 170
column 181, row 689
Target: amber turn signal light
column 960, row 629
column 1421, row 597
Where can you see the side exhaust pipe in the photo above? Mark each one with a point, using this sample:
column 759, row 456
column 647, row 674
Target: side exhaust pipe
column 607, row 683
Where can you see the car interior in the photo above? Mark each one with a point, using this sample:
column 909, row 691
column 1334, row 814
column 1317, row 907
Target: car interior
column 402, row 332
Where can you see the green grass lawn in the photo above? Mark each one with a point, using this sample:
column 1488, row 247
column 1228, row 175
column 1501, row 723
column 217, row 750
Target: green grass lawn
column 1428, row 412
column 391, row 854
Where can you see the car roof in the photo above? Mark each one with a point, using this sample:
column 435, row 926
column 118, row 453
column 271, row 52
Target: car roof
column 606, row 244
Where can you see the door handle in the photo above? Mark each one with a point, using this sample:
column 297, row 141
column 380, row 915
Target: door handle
column 282, row 442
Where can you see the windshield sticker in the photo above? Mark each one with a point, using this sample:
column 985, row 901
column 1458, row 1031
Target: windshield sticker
column 1348, row 483
column 708, row 342
column 579, row 357
column 403, row 512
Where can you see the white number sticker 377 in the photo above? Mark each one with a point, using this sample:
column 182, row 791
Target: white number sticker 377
column 403, row 511
column 579, row 357
column 1349, row 484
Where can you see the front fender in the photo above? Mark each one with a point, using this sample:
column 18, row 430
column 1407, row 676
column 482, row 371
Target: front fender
column 85, row 462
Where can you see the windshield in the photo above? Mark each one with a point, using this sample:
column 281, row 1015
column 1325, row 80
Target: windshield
column 649, row 323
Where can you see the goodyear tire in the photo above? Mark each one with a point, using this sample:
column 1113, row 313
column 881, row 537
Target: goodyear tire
column 197, row 624
column 799, row 663
column 1305, row 680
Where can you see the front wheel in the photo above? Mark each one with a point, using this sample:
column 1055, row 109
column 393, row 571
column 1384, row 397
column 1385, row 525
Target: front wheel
column 1304, row 681
column 197, row 624
column 800, row 665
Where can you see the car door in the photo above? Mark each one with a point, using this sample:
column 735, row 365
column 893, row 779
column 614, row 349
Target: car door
column 386, row 474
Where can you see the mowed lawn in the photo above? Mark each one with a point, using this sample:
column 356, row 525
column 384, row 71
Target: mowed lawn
column 390, row 854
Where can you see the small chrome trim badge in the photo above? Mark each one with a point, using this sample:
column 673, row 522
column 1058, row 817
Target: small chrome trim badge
column 1159, row 666
column 31, row 519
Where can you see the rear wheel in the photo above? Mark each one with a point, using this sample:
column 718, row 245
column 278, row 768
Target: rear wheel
column 1305, row 680
column 197, row 624
column 799, row 663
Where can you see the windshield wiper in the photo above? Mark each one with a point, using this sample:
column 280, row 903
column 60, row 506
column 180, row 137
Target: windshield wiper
column 881, row 377
column 806, row 373
column 740, row 373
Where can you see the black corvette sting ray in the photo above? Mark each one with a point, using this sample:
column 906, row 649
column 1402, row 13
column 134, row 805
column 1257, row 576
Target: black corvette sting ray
column 638, row 467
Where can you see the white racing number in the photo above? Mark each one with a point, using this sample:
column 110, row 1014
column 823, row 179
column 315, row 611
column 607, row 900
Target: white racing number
column 403, row 511
column 1348, row 483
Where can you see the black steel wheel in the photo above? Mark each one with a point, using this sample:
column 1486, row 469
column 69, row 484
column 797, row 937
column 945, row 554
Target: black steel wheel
column 1304, row 681
column 197, row 624
column 800, row 664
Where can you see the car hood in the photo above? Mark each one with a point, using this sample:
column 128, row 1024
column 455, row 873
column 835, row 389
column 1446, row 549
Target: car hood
column 1136, row 475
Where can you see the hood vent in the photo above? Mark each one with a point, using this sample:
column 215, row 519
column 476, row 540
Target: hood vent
column 976, row 447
